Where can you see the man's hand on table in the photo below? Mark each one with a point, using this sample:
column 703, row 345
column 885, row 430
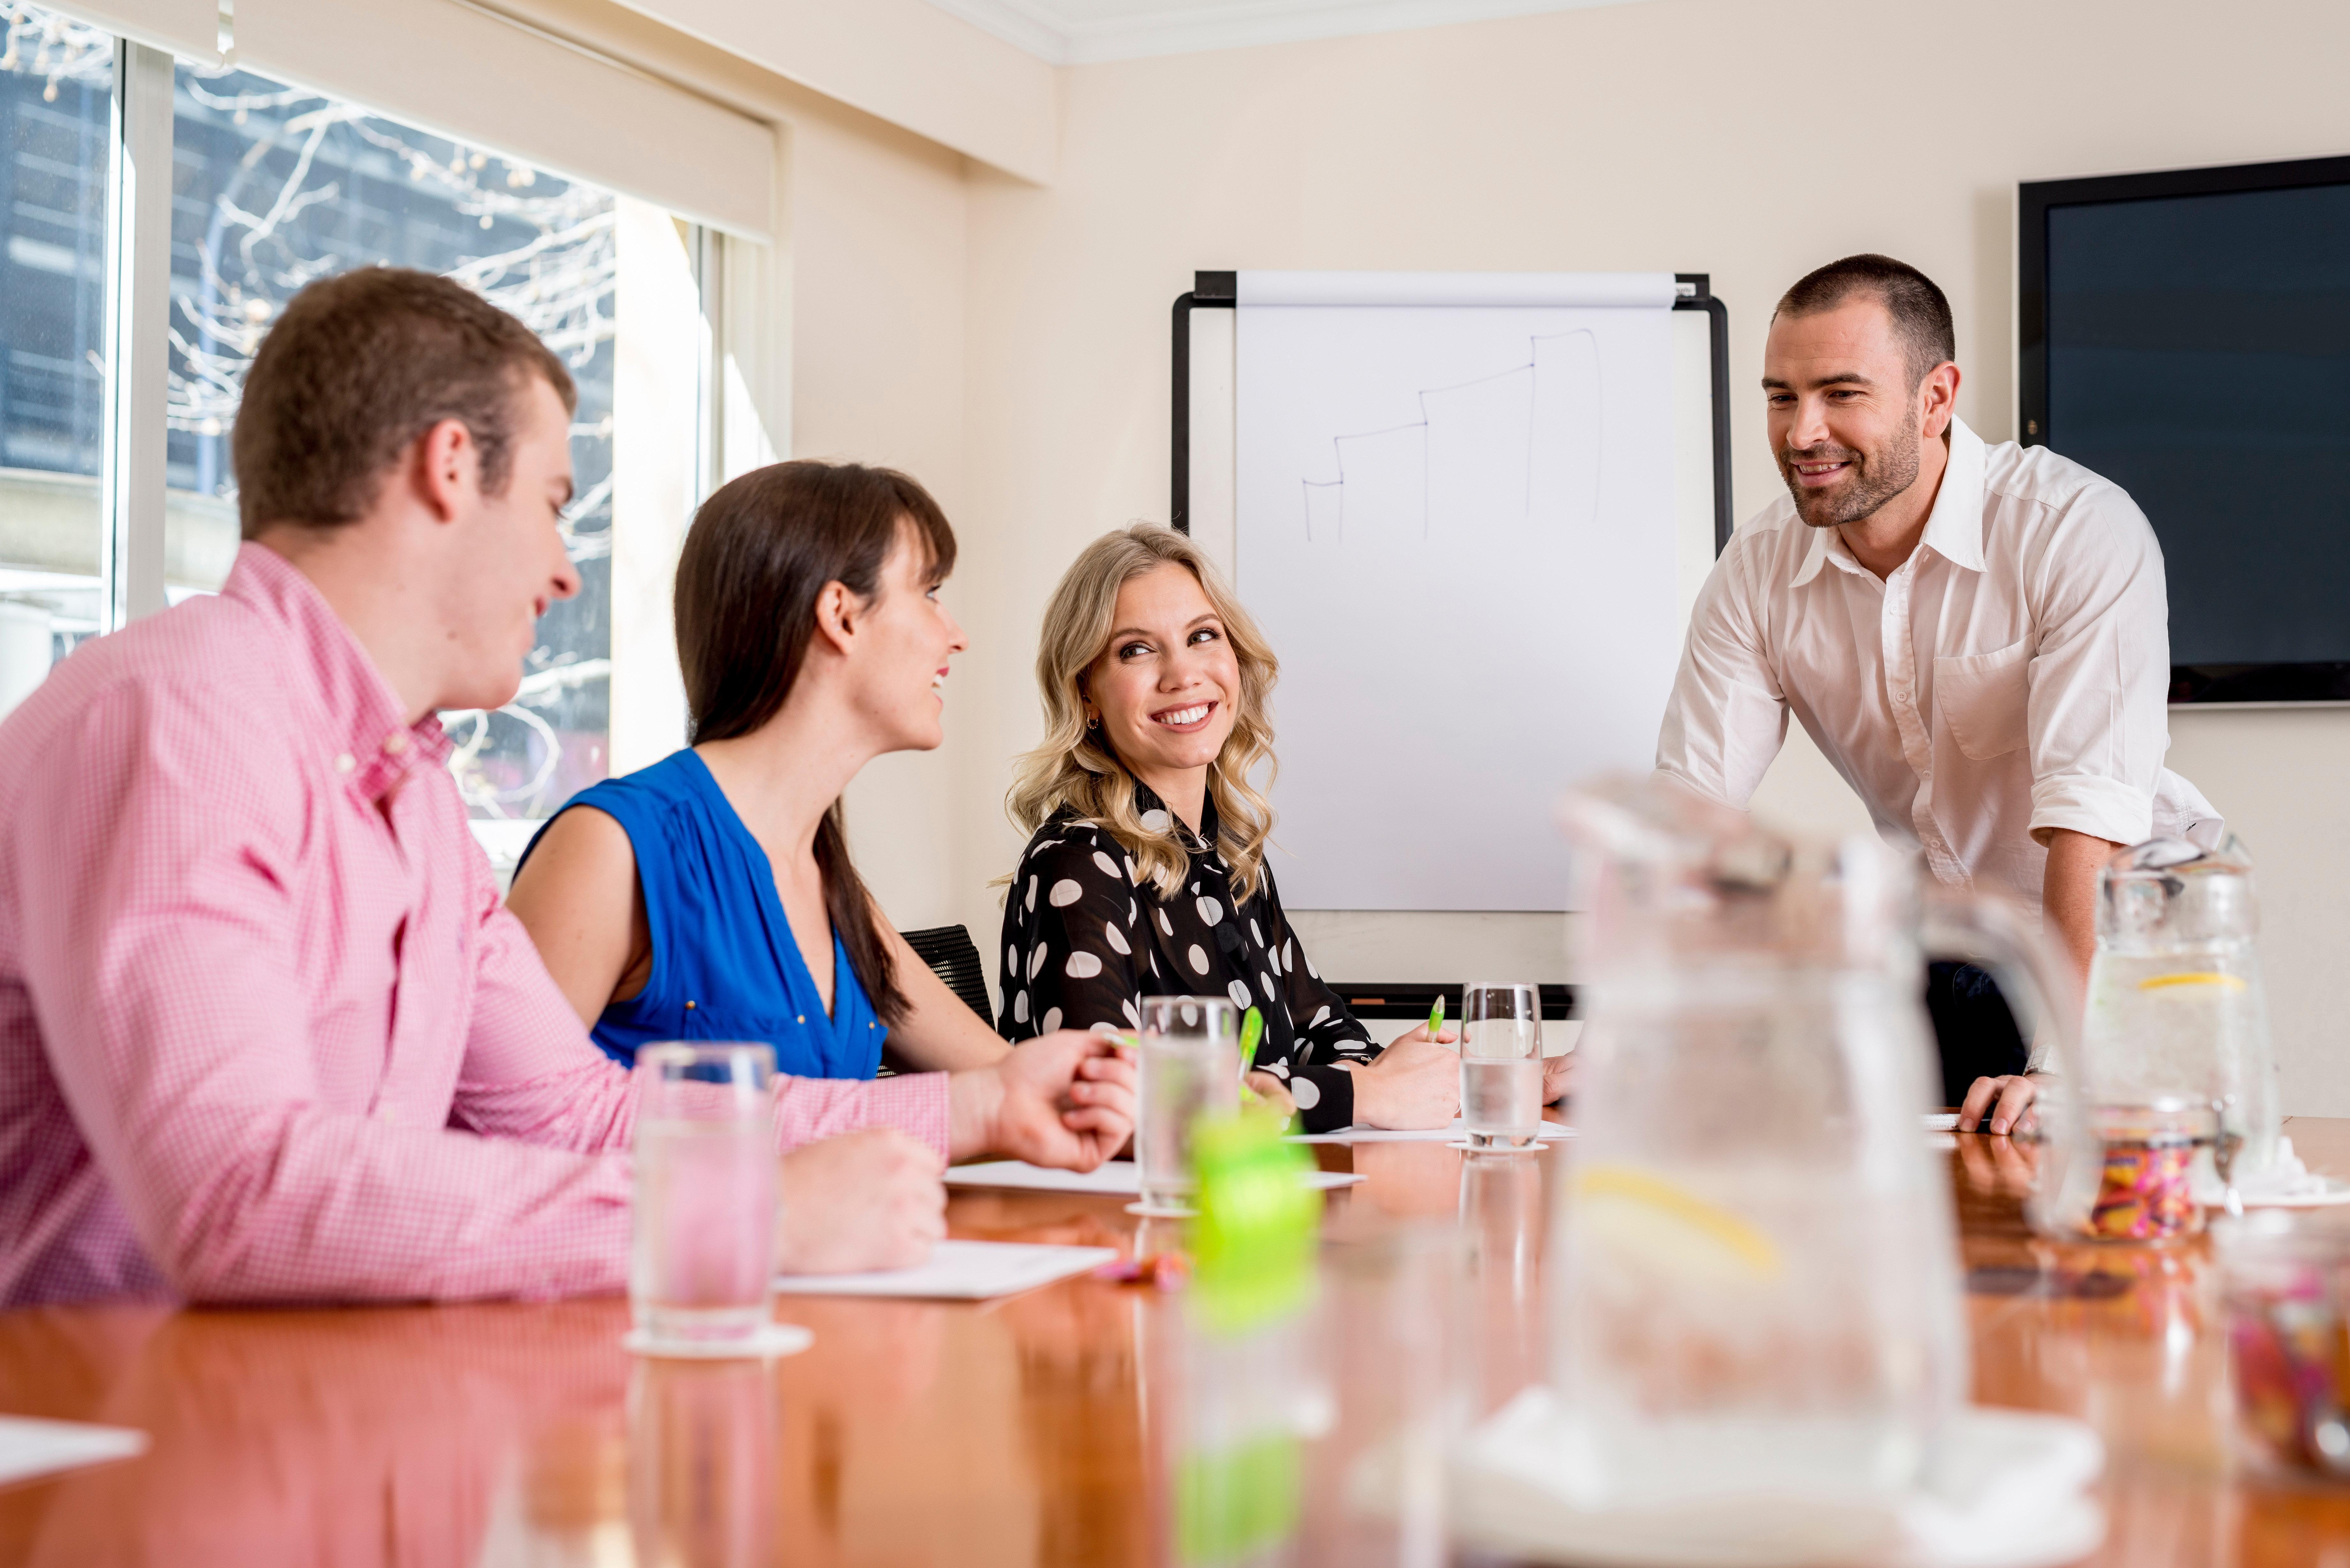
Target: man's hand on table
column 1065, row 1099
column 2001, row 1104
column 1999, row 1165
column 863, row 1200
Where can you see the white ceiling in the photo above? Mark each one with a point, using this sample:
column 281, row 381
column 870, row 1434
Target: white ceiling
column 1082, row 31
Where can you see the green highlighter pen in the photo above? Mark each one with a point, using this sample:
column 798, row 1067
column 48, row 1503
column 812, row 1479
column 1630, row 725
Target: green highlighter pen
column 1251, row 1031
column 1435, row 1017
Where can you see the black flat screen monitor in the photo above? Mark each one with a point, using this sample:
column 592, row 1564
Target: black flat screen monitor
column 2187, row 335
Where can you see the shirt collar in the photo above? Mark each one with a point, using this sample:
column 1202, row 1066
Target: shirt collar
column 1815, row 553
column 1953, row 529
column 369, row 741
column 1146, row 799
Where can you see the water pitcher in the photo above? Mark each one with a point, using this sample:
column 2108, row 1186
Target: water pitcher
column 2176, row 1014
column 1757, row 1286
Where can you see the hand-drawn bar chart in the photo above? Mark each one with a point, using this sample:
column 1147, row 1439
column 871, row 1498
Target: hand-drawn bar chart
column 1519, row 447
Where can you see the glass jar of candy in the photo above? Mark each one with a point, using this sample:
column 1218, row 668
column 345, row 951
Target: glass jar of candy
column 2285, row 1285
column 2146, row 1189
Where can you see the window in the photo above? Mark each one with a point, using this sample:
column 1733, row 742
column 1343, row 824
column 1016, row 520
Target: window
column 274, row 186
column 56, row 92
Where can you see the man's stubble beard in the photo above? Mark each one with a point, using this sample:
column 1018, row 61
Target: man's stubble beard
column 1876, row 479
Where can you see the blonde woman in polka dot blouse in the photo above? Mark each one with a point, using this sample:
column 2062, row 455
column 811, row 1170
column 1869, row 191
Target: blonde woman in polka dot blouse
column 1145, row 873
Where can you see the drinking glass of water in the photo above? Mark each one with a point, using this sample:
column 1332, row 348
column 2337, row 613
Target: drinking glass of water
column 1502, row 1065
column 1190, row 1064
column 702, row 1266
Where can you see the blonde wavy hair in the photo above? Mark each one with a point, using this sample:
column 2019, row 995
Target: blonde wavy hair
column 1075, row 767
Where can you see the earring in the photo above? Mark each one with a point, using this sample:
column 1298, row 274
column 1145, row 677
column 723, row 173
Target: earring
column 1093, row 722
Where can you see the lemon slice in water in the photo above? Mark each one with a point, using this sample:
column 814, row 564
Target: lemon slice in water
column 1636, row 1215
column 2193, row 978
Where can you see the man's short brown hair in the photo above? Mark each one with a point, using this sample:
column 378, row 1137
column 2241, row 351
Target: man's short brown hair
column 357, row 368
column 1920, row 312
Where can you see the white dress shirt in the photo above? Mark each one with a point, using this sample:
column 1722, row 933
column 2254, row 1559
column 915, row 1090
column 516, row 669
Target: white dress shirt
column 2010, row 677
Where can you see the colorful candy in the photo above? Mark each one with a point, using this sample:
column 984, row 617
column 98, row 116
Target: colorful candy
column 2293, row 1382
column 2147, row 1191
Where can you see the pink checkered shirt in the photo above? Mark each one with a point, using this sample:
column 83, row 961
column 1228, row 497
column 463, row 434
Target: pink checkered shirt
column 266, row 1031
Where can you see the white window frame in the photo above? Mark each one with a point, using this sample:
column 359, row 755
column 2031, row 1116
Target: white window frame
column 131, row 475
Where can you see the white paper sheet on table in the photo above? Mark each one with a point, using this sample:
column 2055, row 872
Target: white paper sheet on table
column 1115, row 1178
column 960, row 1270
column 34, row 1448
column 1453, row 1133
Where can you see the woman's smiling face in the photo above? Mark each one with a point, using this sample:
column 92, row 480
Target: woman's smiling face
column 1165, row 687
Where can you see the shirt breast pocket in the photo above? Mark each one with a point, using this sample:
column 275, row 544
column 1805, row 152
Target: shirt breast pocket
column 1985, row 700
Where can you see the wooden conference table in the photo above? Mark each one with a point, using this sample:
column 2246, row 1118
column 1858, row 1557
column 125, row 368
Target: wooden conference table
column 1013, row 1432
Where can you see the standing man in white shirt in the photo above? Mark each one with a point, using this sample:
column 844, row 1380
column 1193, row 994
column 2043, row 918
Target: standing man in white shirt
column 1977, row 637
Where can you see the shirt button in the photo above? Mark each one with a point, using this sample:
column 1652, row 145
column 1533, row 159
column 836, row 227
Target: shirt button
column 801, row 1019
column 689, row 1007
column 395, row 742
column 346, row 763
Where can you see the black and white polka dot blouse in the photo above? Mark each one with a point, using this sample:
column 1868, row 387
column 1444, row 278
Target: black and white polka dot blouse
column 1083, row 945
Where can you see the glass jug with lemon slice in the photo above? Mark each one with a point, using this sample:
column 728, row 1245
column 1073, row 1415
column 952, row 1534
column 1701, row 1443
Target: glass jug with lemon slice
column 2177, row 1027
column 1757, row 1290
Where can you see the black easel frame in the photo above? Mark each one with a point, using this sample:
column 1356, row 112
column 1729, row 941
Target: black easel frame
column 1219, row 291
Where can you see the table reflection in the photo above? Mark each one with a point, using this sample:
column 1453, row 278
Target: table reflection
column 334, row 1438
column 1502, row 1343
column 702, row 1463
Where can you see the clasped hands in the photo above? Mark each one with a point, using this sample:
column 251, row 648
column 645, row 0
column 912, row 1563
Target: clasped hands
column 874, row 1200
column 1415, row 1084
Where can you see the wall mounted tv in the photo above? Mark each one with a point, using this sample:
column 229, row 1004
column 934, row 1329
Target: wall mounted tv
column 2187, row 335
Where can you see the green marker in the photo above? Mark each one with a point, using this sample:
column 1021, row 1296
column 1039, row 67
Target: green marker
column 1435, row 1017
column 1251, row 1031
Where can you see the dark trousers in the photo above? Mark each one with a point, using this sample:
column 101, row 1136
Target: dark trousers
column 1974, row 1030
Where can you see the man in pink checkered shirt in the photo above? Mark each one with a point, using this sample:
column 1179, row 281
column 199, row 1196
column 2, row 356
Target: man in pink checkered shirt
column 266, row 1030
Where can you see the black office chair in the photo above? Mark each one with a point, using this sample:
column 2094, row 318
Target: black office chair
column 954, row 958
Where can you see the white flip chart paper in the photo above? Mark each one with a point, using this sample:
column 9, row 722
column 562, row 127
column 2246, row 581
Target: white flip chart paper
column 959, row 1271
column 1455, row 522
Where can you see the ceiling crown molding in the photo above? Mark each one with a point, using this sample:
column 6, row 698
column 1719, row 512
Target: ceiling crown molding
column 912, row 64
column 1057, row 32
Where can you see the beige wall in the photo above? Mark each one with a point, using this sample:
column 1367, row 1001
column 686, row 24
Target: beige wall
column 1749, row 141
column 878, row 322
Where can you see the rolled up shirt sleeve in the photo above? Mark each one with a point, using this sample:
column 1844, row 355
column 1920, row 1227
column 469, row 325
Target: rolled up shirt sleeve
column 1727, row 715
column 2100, row 674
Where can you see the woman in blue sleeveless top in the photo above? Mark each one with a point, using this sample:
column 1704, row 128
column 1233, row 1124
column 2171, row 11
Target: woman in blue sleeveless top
column 710, row 896
column 720, row 960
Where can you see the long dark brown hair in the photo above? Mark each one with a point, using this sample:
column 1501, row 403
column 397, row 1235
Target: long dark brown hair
column 760, row 552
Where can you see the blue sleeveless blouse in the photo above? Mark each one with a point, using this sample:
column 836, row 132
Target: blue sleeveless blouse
column 725, row 965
